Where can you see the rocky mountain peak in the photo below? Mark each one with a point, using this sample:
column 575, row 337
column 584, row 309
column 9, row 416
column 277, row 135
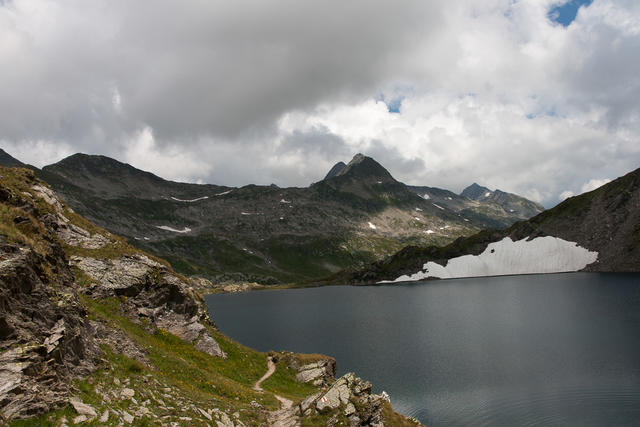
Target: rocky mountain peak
column 475, row 191
column 362, row 166
column 335, row 170
column 358, row 158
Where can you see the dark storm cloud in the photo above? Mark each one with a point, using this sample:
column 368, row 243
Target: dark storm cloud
column 188, row 69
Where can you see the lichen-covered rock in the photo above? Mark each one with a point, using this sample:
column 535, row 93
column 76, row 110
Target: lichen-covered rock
column 74, row 235
column 317, row 373
column 82, row 408
column 45, row 340
column 352, row 396
column 48, row 196
column 153, row 292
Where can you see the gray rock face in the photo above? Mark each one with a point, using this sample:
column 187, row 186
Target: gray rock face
column 122, row 274
column 154, row 293
column 76, row 236
column 44, row 337
column 353, row 396
column 317, row 373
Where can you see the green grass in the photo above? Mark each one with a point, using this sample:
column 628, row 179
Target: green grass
column 283, row 382
column 201, row 375
column 196, row 377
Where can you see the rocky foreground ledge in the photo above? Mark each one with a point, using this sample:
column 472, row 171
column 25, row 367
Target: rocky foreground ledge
column 94, row 331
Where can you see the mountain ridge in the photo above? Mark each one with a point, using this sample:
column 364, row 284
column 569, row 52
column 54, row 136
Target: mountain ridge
column 605, row 221
column 93, row 330
column 263, row 233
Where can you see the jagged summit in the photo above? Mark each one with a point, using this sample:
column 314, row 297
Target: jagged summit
column 335, row 170
column 475, row 192
column 511, row 203
column 362, row 166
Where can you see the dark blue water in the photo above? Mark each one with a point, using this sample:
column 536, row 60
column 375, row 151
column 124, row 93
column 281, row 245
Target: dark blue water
column 559, row 349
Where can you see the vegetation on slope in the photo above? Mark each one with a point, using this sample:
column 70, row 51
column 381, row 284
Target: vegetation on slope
column 141, row 373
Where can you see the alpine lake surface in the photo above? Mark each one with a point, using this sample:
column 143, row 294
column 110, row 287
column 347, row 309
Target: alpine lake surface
column 555, row 349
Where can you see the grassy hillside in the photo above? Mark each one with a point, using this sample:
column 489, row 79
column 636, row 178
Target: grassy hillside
column 133, row 370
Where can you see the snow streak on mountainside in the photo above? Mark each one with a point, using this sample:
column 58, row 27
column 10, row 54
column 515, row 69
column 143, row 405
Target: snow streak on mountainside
column 540, row 255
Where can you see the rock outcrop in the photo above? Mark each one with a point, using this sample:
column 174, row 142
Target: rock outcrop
column 353, row 397
column 45, row 339
column 318, row 370
column 153, row 292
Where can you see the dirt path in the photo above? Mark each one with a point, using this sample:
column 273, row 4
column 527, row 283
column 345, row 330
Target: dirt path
column 285, row 416
column 271, row 368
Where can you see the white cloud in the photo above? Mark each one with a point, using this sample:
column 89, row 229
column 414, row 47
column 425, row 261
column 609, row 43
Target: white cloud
column 170, row 162
column 492, row 91
column 593, row 184
column 37, row 153
column 566, row 194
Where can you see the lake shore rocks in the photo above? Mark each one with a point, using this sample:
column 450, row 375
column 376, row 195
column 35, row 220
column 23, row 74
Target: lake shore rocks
column 353, row 397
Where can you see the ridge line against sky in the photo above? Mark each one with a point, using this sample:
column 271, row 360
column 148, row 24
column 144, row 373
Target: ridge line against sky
column 535, row 97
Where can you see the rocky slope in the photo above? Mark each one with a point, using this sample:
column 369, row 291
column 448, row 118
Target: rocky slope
column 263, row 232
column 489, row 209
column 511, row 203
column 93, row 330
column 266, row 234
column 595, row 231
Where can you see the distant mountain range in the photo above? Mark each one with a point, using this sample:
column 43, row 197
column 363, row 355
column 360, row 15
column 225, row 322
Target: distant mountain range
column 358, row 214
column 595, row 231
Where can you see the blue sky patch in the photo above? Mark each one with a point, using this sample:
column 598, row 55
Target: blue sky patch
column 393, row 104
column 565, row 13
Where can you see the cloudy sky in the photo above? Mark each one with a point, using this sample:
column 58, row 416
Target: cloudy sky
column 523, row 95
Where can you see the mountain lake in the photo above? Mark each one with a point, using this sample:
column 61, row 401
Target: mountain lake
column 555, row 349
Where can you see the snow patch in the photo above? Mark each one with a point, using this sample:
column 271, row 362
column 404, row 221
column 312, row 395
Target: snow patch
column 371, row 226
column 540, row 255
column 426, row 196
column 285, row 201
column 437, row 206
column 189, row 201
column 429, row 231
column 167, row 228
column 418, row 210
column 245, row 213
column 223, row 193
column 416, row 218
column 449, row 198
column 487, row 194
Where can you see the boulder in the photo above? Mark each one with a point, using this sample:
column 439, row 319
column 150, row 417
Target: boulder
column 317, row 373
column 82, row 408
